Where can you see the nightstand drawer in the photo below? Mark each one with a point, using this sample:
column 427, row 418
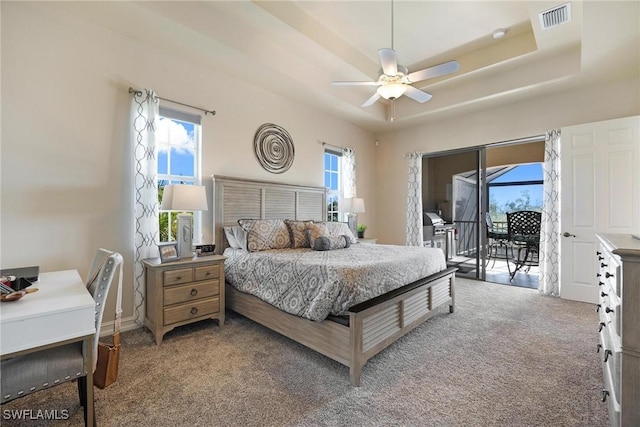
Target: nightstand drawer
column 190, row 292
column 207, row 272
column 198, row 308
column 176, row 277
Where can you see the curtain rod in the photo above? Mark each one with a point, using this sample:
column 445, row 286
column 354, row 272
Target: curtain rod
column 331, row 145
column 212, row 112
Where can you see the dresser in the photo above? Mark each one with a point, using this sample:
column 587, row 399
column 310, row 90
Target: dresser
column 618, row 257
column 183, row 292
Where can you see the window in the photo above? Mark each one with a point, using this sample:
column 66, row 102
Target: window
column 178, row 136
column 333, row 182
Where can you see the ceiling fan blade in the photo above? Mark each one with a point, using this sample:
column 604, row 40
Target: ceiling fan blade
column 389, row 61
column 355, row 83
column 371, row 100
column 435, row 71
column 417, row 94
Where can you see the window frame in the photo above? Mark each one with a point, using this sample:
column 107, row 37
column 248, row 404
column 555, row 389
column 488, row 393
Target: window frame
column 169, row 178
column 333, row 195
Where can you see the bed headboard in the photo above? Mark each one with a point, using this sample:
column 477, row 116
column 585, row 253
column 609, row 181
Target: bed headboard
column 237, row 198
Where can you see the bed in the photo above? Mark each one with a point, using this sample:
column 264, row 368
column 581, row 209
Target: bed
column 351, row 337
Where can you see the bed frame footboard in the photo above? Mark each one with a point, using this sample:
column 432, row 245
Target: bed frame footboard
column 373, row 325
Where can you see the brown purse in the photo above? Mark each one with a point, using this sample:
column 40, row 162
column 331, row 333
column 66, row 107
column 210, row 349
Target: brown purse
column 108, row 357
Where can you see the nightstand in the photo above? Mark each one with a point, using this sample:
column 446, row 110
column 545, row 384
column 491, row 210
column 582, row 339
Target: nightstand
column 363, row 240
column 183, row 292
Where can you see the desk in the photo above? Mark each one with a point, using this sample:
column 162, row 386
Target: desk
column 61, row 312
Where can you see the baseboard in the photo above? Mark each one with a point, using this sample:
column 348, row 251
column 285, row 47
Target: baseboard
column 128, row 324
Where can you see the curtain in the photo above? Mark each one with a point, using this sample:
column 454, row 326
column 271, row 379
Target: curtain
column 414, row 200
column 348, row 172
column 549, row 283
column 144, row 110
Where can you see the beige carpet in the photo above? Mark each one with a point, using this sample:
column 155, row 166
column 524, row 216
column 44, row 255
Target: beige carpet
column 506, row 357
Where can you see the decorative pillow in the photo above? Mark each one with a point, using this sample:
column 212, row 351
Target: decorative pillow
column 240, row 236
column 263, row 234
column 334, row 228
column 231, row 238
column 330, row 243
column 298, row 233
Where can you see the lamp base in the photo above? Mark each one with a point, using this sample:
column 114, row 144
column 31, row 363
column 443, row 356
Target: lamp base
column 185, row 236
column 352, row 221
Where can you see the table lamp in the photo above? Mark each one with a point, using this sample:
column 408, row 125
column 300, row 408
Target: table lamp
column 184, row 198
column 352, row 206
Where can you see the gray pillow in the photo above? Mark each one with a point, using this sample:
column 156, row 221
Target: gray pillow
column 329, row 243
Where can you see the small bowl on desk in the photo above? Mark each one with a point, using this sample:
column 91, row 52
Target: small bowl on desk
column 16, row 295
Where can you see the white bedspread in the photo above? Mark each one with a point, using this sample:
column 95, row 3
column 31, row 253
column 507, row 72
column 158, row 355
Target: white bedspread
column 314, row 284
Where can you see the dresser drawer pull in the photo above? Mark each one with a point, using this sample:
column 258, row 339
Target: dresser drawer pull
column 598, row 307
column 178, row 277
column 605, row 393
column 602, row 325
column 607, row 275
column 607, row 353
column 194, row 292
column 603, row 265
column 603, row 294
column 598, row 347
column 608, row 310
column 194, row 310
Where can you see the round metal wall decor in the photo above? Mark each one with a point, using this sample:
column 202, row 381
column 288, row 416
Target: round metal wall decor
column 274, row 148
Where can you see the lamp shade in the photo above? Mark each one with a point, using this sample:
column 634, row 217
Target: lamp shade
column 392, row 90
column 344, row 205
column 183, row 197
column 357, row 205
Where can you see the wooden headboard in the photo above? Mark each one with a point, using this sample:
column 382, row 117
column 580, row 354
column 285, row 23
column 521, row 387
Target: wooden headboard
column 236, row 198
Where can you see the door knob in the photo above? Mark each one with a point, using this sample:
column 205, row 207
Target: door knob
column 567, row 234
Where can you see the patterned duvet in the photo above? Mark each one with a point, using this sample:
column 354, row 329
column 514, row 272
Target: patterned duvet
column 313, row 284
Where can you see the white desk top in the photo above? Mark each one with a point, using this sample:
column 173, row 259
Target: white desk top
column 62, row 309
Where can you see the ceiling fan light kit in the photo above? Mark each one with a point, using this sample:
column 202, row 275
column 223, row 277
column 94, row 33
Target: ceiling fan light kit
column 392, row 90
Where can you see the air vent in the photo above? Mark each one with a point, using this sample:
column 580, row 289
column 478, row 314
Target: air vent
column 556, row 16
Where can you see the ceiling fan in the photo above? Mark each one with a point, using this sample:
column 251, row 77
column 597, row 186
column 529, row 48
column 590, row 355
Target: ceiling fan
column 394, row 80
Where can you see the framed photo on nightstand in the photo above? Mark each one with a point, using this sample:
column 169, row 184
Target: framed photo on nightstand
column 168, row 251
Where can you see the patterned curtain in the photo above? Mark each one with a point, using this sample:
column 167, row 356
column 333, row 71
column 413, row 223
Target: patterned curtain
column 143, row 121
column 414, row 201
column 550, row 227
column 348, row 172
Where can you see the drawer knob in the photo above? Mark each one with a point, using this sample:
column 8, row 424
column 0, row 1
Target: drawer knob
column 598, row 274
column 598, row 253
column 600, row 283
column 194, row 310
column 178, row 277
column 603, row 265
column 600, row 258
column 602, row 325
column 598, row 347
column 194, row 292
column 608, row 310
column 605, row 393
column 607, row 353
column 598, row 307
column 607, row 275
column 603, row 294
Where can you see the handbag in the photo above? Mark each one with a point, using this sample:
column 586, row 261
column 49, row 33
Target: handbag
column 108, row 357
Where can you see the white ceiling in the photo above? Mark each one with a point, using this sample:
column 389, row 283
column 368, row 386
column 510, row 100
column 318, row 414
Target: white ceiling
column 297, row 48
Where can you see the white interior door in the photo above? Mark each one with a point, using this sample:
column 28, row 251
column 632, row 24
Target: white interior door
column 600, row 192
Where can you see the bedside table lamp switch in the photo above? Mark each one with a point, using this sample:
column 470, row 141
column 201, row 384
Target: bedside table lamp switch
column 184, row 198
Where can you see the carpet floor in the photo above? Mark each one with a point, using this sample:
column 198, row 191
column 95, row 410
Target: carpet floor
column 507, row 357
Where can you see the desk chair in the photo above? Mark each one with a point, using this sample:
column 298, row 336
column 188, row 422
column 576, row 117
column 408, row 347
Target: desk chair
column 23, row 375
column 496, row 239
column 523, row 228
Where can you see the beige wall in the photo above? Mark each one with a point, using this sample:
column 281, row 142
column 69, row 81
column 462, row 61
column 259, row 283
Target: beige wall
column 518, row 120
column 66, row 163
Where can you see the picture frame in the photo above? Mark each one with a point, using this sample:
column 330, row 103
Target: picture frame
column 168, row 251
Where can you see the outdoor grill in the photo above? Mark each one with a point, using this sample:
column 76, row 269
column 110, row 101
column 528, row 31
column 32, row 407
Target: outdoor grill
column 437, row 233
